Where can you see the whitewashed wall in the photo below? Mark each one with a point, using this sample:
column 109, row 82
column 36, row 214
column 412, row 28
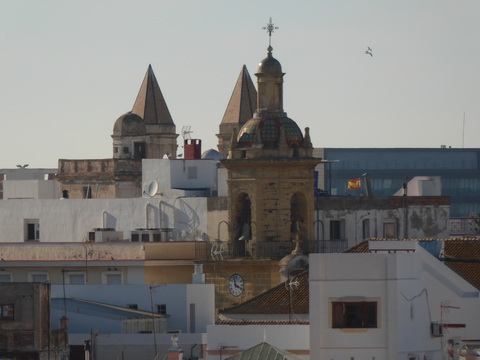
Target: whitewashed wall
column 410, row 288
column 31, row 189
column 70, row 220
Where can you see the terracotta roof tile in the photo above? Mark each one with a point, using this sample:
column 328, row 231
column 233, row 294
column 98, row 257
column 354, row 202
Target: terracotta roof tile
column 276, row 300
column 463, row 257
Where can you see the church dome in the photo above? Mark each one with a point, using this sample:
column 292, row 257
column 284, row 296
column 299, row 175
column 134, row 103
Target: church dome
column 129, row 124
column 269, row 65
column 269, row 128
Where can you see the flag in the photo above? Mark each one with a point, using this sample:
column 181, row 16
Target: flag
column 354, row 184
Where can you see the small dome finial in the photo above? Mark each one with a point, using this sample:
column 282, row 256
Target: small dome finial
column 270, row 29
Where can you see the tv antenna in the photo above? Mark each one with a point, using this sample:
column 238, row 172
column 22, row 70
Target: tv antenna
column 186, row 132
column 445, row 308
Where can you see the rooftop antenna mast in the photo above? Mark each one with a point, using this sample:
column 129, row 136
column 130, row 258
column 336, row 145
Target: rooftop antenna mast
column 186, row 132
column 270, row 29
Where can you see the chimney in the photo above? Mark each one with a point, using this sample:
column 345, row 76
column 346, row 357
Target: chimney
column 193, row 149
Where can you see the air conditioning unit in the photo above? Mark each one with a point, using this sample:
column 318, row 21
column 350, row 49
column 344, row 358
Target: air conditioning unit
column 105, row 235
column 146, row 235
column 436, row 329
column 143, row 326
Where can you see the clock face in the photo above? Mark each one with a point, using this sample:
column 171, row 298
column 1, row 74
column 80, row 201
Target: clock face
column 236, row 285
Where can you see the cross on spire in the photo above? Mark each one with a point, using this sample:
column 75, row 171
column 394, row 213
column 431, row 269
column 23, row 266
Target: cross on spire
column 270, row 29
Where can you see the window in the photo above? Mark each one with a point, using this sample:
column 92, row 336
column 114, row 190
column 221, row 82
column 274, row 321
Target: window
column 38, row 276
column 87, row 192
column 32, row 230
column 112, row 278
column 115, row 150
column 5, row 277
column 389, row 230
column 366, row 229
column 162, row 309
column 192, row 318
column 132, row 306
column 126, row 150
column 76, row 278
column 192, row 172
column 354, row 314
column 337, row 230
column 6, row 312
column 139, row 150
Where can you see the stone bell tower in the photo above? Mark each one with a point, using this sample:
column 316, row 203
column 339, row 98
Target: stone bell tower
column 270, row 175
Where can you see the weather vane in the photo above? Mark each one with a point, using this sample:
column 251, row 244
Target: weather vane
column 270, row 29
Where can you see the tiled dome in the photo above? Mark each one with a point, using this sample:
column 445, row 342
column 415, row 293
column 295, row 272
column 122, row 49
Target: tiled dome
column 269, row 65
column 269, row 128
column 129, row 124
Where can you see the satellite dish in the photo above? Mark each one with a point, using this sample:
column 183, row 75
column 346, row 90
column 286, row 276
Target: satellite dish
column 151, row 189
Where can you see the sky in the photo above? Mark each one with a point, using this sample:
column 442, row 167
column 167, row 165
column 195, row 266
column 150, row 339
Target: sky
column 69, row 69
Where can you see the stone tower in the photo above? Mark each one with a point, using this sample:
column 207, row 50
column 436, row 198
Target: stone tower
column 240, row 108
column 148, row 131
column 270, row 176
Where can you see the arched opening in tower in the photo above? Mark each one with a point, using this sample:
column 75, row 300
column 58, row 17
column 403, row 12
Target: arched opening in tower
column 243, row 224
column 298, row 216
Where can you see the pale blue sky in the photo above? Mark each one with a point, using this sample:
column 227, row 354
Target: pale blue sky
column 70, row 69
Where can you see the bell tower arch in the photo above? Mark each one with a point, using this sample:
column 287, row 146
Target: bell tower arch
column 270, row 176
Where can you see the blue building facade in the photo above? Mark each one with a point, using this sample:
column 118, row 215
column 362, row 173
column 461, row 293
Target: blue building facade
column 389, row 168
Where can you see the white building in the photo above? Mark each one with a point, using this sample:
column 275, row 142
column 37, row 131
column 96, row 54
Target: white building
column 389, row 303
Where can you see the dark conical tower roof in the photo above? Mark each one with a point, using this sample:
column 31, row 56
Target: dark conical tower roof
column 150, row 104
column 240, row 109
column 243, row 101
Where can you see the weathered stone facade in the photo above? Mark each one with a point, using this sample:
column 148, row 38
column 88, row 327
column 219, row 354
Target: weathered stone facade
column 274, row 188
column 100, row 179
column 146, row 132
column 25, row 331
column 270, row 176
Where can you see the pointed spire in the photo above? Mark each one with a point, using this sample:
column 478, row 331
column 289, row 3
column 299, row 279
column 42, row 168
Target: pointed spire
column 243, row 101
column 150, row 104
column 307, row 142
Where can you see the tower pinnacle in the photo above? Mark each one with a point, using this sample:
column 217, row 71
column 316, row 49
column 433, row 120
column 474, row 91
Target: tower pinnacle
column 270, row 29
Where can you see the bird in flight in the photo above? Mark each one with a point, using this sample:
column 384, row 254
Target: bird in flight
column 369, row 51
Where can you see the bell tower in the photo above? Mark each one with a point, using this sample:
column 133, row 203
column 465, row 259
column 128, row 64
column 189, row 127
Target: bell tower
column 270, row 175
